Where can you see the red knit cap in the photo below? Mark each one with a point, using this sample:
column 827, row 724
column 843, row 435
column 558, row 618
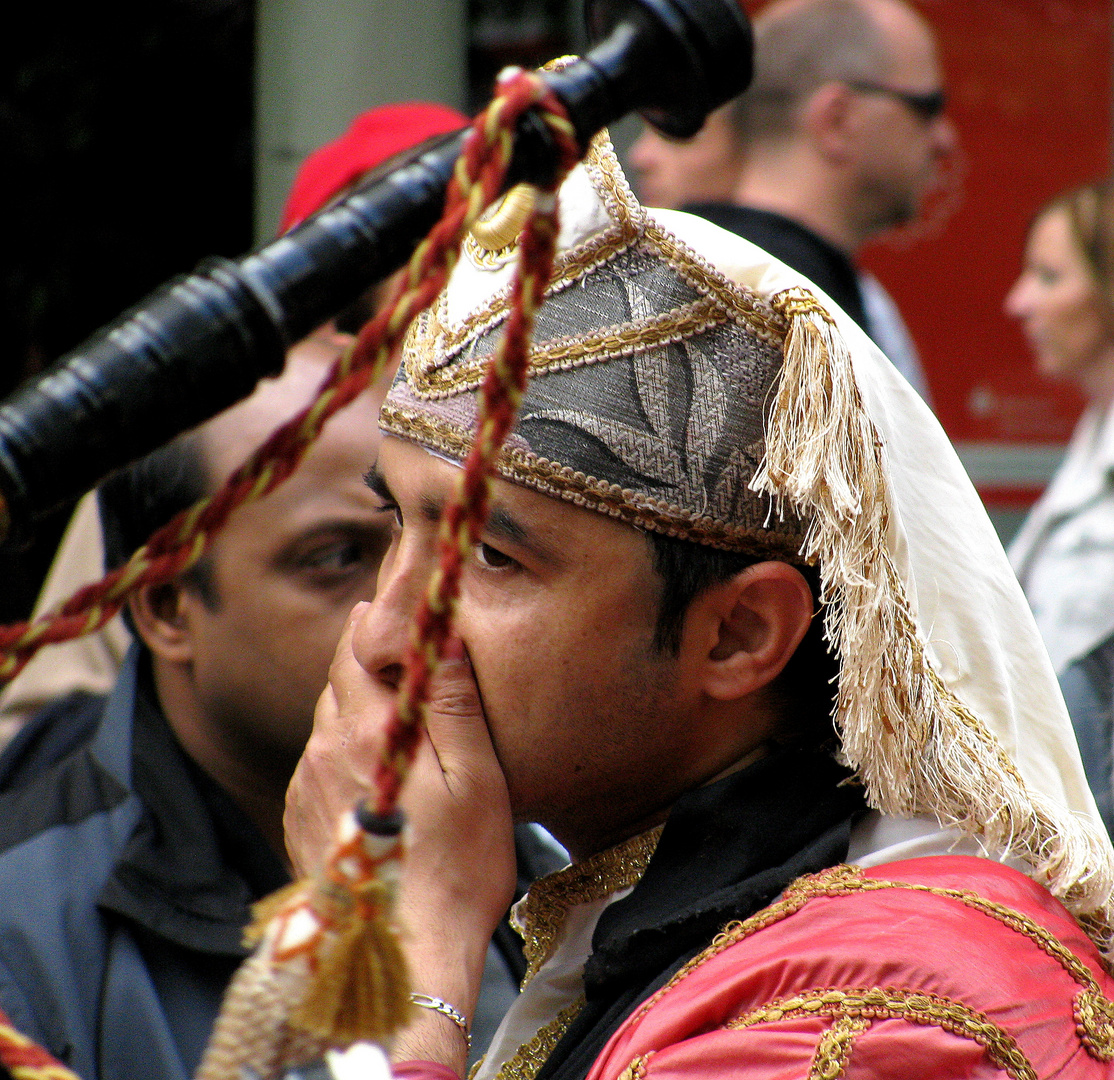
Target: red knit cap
column 372, row 138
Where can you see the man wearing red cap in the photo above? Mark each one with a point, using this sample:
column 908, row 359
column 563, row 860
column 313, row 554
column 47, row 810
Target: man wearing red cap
column 373, row 138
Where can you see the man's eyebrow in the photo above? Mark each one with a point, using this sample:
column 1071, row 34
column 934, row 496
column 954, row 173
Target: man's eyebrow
column 378, row 484
column 430, row 508
column 502, row 523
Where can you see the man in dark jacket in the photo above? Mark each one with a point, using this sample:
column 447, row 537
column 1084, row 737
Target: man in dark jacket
column 136, row 832
column 840, row 138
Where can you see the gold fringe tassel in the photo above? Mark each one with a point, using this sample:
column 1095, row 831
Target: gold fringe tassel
column 913, row 743
column 360, row 988
column 328, row 970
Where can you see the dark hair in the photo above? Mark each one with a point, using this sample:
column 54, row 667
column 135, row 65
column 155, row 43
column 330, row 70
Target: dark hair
column 804, row 692
column 143, row 496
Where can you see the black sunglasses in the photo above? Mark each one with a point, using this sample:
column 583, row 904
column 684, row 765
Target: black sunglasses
column 927, row 106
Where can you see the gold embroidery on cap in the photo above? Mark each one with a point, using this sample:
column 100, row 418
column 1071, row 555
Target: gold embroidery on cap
column 565, row 353
column 635, row 508
column 500, row 227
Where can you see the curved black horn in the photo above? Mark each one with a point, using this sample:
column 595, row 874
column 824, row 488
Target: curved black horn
column 202, row 342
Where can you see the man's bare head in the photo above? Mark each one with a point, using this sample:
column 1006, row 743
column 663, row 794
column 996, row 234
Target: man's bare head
column 799, row 46
column 843, row 127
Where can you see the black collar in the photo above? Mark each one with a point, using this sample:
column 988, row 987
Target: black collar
column 727, row 850
column 795, row 245
column 195, row 863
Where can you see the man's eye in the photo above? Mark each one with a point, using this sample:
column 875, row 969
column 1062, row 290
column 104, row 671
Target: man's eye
column 333, row 557
column 392, row 509
column 492, row 558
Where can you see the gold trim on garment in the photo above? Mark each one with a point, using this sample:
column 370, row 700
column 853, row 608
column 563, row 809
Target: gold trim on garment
column 834, row 1049
column 876, row 1002
column 1094, row 1012
column 540, row 916
column 636, row 1070
column 531, row 1056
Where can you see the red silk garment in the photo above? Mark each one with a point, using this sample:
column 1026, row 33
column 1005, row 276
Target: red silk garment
column 967, row 969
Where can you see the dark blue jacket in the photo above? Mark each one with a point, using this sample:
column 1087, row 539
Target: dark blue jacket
column 126, row 876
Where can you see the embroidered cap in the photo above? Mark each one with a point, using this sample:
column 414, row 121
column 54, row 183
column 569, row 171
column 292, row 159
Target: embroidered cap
column 650, row 373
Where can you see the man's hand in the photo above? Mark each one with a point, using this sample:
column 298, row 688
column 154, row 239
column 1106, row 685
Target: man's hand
column 459, row 872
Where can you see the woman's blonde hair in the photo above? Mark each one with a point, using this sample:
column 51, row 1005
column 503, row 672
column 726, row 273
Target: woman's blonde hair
column 1090, row 210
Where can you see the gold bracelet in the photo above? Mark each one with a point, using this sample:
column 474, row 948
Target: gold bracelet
column 428, row 1001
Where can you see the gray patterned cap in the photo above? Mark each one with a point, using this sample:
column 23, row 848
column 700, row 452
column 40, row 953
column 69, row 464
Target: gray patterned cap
column 650, row 372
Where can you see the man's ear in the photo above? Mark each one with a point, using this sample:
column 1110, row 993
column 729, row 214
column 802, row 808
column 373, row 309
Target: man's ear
column 754, row 623
column 162, row 622
column 827, row 115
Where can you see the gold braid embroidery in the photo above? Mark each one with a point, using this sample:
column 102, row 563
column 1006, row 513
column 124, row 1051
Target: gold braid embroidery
column 799, row 893
column 1094, row 1013
column 444, row 341
column 636, row 1070
column 878, row 1002
column 834, row 1048
column 566, row 353
column 429, row 351
column 541, row 916
column 530, row 1056
column 561, row 482
column 746, row 308
column 721, row 299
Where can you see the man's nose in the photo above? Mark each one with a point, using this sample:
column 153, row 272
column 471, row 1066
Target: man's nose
column 945, row 138
column 640, row 156
column 381, row 636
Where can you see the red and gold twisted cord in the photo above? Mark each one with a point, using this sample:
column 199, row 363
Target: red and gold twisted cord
column 478, row 177
column 26, row 1060
column 500, row 396
column 178, row 545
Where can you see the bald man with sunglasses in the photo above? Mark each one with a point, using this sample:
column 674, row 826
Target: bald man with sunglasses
column 841, row 137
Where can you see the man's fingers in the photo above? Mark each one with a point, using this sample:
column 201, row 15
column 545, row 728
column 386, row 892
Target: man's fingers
column 454, row 693
column 455, row 716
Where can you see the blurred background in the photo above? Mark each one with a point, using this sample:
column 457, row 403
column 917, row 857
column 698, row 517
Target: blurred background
column 136, row 138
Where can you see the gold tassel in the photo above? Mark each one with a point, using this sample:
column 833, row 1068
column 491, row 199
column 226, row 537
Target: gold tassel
column 263, row 911
column 360, row 988
column 328, row 970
